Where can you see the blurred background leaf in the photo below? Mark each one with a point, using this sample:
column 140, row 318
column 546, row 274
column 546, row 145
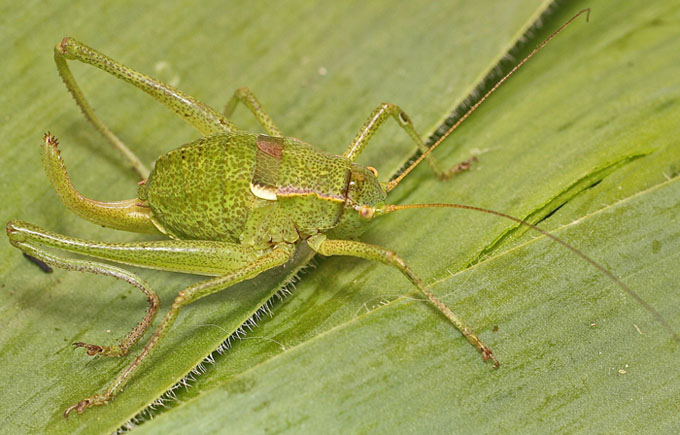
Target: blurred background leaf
column 586, row 132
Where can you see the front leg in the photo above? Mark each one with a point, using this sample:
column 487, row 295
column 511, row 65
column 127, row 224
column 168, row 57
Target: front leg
column 376, row 120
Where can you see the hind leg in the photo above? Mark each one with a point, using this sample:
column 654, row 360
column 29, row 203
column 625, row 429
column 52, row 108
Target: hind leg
column 202, row 117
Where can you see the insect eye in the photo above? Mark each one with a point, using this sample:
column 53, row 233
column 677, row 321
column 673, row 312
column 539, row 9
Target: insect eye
column 366, row 212
column 375, row 171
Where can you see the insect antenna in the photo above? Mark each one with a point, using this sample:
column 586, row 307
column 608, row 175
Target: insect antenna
column 392, row 184
column 657, row 316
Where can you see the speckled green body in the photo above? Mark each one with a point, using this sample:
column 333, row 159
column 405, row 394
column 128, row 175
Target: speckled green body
column 235, row 204
column 256, row 190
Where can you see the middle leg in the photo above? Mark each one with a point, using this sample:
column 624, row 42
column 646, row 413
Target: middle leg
column 376, row 253
column 276, row 257
column 246, row 97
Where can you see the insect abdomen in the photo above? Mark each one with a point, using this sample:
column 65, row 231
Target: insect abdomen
column 202, row 190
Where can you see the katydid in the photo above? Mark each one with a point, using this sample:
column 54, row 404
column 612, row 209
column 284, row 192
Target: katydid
column 232, row 205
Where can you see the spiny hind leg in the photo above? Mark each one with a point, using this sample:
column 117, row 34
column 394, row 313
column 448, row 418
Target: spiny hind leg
column 199, row 257
column 248, row 99
column 377, row 119
column 202, row 117
column 24, row 239
column 188, row 256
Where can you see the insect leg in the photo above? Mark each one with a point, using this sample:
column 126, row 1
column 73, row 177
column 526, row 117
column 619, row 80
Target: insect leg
column 127, row 215
column 21, row 237
column 200, row 257
column 274, row 258
column 187, row 256
column 376, row 120
column 376, row 253
column 203, row 118
column 248, row 99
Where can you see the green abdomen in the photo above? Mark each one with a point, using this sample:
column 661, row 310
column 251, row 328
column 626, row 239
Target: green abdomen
column 202, row 190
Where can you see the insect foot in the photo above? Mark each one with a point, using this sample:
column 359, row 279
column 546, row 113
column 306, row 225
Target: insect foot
column 487, row 355
column 93, row 349
column 457, row 169
column 96, row 400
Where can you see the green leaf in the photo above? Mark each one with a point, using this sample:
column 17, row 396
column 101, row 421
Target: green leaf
column 600, row 104
column 573, row 359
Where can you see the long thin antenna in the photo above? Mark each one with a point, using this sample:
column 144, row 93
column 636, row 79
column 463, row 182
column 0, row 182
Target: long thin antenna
column 657, row 316
column 392, row 184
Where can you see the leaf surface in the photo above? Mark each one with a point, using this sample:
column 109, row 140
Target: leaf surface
column 588, row 128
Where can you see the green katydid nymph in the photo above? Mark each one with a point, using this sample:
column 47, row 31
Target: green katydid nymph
column 275, row 194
